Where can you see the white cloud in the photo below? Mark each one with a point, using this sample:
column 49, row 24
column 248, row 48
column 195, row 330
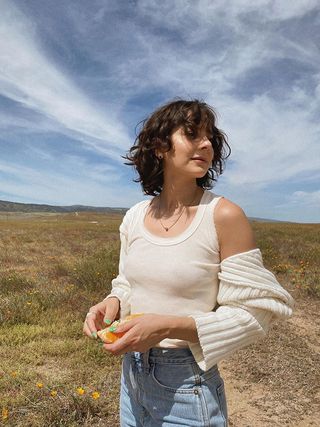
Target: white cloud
column 100, row 186
column 311, row 198
column 28, row 77
column 298, row 206
column 74, row 167
column 209, row 11
column 268, row 144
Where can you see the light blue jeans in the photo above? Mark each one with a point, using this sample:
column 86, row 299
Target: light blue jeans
column 166, row 387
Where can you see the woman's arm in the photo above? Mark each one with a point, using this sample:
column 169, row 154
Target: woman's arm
column 235, row 234
column 120, row 286
column 249, row 295
column 107, row 311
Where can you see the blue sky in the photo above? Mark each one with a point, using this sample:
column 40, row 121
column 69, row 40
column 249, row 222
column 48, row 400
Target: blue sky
column 77, row 76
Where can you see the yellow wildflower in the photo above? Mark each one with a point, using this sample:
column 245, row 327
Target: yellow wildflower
column 53, row 393
column 80, row 391
column 14, row 374
column 5, row 413
column 39, row 385
column 95, row 395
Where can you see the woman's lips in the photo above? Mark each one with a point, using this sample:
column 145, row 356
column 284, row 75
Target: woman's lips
column 199, row 160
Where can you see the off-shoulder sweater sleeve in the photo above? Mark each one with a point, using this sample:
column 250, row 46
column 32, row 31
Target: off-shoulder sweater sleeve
column 120, row 285
column 250, row 298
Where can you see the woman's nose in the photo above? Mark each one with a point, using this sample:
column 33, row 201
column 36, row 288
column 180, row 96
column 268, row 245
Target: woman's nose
column 205, row 142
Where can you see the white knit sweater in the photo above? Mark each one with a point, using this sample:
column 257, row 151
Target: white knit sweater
column 249, row 298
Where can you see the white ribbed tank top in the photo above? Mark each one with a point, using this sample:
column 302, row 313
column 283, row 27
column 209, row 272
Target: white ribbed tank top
column 174, row 275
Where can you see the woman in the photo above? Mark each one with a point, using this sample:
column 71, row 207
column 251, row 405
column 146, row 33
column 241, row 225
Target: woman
column 190, row 263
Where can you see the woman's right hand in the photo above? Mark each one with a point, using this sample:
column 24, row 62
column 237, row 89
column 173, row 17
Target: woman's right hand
column 103, row 314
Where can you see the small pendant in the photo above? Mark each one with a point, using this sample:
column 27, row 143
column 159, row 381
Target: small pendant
column 166, row 228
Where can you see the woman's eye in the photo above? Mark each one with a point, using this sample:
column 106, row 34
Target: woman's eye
column 190, row 135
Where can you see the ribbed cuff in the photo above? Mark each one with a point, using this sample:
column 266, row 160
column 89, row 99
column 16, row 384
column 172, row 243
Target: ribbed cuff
column 223, row 332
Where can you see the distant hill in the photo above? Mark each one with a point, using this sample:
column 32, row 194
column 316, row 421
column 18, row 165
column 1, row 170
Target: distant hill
column 6, row 206
column 253, row 218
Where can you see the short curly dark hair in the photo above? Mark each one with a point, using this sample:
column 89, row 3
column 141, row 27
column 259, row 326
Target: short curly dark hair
column 192, row 116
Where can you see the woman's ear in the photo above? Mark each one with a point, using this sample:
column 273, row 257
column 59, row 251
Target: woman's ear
column 159, row 154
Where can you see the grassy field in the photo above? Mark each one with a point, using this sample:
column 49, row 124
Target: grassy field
column 53, row 267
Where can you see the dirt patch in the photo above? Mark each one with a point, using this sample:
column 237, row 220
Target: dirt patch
column 275, row 382
column 52, row 371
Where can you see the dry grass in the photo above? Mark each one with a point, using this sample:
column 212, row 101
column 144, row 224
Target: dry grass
column 54, row 266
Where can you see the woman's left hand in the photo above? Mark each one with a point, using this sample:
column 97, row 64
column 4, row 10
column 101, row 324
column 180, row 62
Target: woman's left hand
column 141, row 334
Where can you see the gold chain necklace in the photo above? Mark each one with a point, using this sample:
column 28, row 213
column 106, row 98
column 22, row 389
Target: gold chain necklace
column 168, row 228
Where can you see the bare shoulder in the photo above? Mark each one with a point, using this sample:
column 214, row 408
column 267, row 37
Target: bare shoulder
column 234, row 230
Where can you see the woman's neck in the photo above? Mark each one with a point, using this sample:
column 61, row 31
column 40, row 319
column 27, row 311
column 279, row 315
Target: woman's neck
column 173, row 198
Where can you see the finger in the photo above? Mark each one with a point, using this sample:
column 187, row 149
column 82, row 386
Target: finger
column 86, row 330
column 116, row 350
column 117, row 345
column 90, row 323
column 98, row 321
column 111, row 312
column 124, row 326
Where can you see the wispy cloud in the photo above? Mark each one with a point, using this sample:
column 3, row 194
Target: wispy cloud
column 311, row 198
column 99, row 188
column 28, row 77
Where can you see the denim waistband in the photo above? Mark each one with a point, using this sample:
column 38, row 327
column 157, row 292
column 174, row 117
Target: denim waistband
column 166, row 355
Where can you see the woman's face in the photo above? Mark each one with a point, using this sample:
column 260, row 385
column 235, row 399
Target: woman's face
column 191, row 157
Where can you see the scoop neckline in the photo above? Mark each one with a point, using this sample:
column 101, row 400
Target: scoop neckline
column 180, row 237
